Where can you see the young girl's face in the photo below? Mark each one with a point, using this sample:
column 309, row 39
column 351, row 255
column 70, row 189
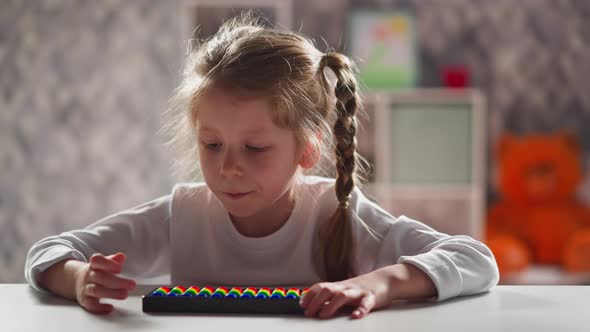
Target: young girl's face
column 248, row 162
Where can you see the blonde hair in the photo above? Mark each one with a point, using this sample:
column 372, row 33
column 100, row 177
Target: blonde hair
column 248, row 58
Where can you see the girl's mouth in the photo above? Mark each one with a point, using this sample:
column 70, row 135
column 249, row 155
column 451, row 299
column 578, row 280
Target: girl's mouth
column 237, row 195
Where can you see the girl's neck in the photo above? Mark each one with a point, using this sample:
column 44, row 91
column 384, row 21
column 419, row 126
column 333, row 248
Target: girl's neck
column 266, row 221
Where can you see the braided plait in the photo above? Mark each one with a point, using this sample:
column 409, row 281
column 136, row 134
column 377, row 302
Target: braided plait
column 336, row 236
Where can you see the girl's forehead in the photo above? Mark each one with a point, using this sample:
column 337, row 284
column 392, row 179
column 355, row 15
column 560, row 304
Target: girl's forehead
column 235, row 97
column 222, row 110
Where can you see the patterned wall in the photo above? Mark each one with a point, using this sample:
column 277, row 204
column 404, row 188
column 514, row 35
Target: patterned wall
column 83, row 84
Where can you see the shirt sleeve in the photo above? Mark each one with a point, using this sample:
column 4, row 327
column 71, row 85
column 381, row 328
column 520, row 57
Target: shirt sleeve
column 458, row 265
column 142, row 233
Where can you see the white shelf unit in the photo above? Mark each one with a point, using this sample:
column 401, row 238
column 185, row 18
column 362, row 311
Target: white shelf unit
column 429, row 156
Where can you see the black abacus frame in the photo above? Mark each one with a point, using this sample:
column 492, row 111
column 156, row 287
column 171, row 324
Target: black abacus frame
column 227, row 305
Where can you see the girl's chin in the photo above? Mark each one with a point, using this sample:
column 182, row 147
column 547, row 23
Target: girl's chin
column 239, row 214
column 239, row 211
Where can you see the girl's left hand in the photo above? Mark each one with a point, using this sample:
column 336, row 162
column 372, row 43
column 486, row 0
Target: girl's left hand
column 365, row 292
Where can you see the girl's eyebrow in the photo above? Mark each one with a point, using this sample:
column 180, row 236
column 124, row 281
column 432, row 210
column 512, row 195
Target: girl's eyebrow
column 257, row 130
column 202, row 129
column 252, row 131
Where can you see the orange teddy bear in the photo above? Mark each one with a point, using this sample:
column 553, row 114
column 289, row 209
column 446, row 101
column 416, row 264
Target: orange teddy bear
column 538, row 219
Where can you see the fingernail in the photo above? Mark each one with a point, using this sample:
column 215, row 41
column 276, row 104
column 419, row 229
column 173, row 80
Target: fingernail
column 357, row 313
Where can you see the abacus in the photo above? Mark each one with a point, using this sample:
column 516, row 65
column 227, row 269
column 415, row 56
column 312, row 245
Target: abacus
column 238, row 300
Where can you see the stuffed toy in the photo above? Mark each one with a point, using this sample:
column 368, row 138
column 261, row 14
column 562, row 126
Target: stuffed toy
column 538, row 219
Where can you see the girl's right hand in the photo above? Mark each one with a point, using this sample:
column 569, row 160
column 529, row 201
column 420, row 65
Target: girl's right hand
column 98, row 279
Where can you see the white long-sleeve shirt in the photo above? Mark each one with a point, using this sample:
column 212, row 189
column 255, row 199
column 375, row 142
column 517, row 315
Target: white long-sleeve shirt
column 189, row 236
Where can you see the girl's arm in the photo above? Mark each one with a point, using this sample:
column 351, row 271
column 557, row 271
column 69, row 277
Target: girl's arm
column 141, row 233
column 60, row 278
column 88, row 283
column 412, row 262
column 405, row 259
column 373, row 290
column 457, row 265
column 405, row 281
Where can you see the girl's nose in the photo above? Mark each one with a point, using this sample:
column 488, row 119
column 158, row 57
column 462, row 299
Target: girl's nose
column 230, row 165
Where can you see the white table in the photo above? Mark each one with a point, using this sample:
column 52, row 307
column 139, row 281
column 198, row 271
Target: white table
column 505, row 308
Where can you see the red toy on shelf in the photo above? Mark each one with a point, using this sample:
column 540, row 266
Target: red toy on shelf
column 539, row 220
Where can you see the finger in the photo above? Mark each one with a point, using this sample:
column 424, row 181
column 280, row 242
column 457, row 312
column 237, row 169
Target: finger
column 339, row 300
column 94, row 306
column 100, row 262
column 306, row 298
column 366, row 305
column 118, row 257
column 311, row 293
column 99, row 291
column 318, row 302
column 109, row 280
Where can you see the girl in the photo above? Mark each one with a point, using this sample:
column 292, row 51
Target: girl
column 256, row 107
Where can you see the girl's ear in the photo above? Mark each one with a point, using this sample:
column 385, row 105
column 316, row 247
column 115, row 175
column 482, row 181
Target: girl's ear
column 310, row 156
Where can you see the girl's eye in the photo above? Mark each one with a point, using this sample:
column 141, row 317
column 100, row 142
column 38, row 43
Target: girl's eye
column 252, row 148
column 212, row 146
column 256, row 148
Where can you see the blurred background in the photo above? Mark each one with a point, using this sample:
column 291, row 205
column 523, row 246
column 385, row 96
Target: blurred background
column 83, row 85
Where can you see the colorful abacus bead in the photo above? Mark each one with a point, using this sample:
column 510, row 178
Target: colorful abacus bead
column 235, row 292
column 278, row 293
column 220, row 292
column 263, row 293
column 206, row 292
column 292, row 293
column 191, row 291
column 249, row 293
column 161, row 291
column 177, row 291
